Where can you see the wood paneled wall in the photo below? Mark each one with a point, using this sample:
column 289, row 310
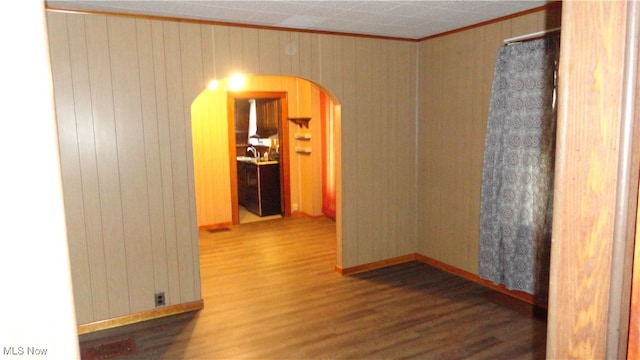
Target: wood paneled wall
column 126, row 161
column 123, row 91
column 456, row 73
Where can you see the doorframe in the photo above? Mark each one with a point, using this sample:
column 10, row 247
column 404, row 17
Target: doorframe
column 283, row 134
column 593, row 200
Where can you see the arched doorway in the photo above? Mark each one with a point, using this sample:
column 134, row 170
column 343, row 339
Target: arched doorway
column 212, row 149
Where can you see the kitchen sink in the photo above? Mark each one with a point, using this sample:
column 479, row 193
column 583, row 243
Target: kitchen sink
column 246, row 158
column 253, row 160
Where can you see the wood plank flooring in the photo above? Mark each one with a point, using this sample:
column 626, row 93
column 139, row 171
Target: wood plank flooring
column 270, row 292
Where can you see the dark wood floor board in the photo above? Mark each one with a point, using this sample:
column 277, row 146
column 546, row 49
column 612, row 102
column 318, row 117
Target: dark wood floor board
column 270, row 292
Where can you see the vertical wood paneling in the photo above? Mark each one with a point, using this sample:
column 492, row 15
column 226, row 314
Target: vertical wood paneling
column 431, row 142
column 221, row 52
column 329, row 48
column 453, row 148
column 193, row 83
column 288, row 51
column 269, row 52
column 305, row 162
column 375, row 143
column 314, row 66
column 466, row 167
column 199, row 132
column 108, row 167
column 141, row 90
column 349, row 150
column 363, row 168
column 236, row 58
column 408, row 135
column 70, row 168
column 179, row 163
column 207, row 54
column 169, row 260
column 211, row 159
column 250, row 47
column 384, row 158
column 152, row 148
column 305, row 57
column 455, row 84
column 131, row 162
column 87, row 159
column 316, row 160
column 337, row 122
column 296, row 45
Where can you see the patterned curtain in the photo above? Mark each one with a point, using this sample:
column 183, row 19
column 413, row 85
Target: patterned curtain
column 517, row 181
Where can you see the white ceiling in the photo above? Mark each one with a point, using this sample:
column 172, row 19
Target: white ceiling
column 401, row 19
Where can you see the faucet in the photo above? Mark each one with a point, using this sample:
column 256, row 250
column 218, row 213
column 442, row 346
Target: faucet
column 251, row 149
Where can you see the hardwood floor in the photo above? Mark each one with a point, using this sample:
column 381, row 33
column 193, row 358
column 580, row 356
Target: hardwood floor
column 270, row 292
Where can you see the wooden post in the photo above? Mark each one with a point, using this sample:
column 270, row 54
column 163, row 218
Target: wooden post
column 584, row 320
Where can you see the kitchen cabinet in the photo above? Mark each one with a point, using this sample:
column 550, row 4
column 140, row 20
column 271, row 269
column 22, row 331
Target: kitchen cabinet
column 259, row 186
column 267, row 118
column 268, row 114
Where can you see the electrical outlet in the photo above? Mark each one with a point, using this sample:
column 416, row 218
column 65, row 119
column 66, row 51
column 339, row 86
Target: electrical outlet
column 160, row 300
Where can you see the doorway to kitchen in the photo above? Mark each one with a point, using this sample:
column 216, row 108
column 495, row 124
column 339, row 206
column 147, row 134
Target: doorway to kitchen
column 258, row 155
column 308, row 144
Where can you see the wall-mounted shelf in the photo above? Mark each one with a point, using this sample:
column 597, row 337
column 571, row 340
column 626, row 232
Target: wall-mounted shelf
column 301, row 121
column 302, row 136
column 301, row 150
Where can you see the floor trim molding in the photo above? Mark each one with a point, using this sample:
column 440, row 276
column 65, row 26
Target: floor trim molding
column 139, row 317
column 215, row 226
column 530, row 299
column 375, row 265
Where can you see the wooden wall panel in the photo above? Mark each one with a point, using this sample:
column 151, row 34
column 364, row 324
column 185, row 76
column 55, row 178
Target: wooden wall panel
column 166, row 259
column 131, row 164
column 180, row 163
column 287, row 53
column 316, row 159
column 404, row 113
column 127, row 236
column 456, row 73
column 152, row 150
column 103, row 116
column 250, row 46
column 268, row 40
column 193, row 82
column 141, row 90
column 305, row 55
column 362, row 184
column 70, row 167
column 431, row 141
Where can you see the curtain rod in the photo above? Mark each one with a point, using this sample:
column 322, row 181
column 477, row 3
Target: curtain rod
column 530, row 36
